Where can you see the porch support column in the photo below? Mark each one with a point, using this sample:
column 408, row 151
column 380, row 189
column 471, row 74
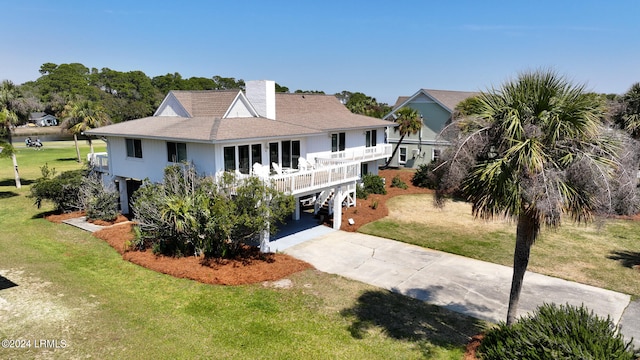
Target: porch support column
column 124, row 200
column 296, row 211
column 337, row 208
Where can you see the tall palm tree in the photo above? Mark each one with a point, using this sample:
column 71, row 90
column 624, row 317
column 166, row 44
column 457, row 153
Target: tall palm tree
column 8, row 119
column 534, row 151
column 409, row 123
column 83, row 115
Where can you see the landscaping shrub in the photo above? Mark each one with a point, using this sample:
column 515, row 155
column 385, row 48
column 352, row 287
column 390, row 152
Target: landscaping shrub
column 62, row 190
column 192, row 215
column 424, row 176
column 361, row 193
column 98, row 200
column 373, row 184
column 557, row 332
column 398, row 183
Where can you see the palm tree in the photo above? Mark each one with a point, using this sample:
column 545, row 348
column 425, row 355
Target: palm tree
column 8, row 119
column 629, row 115
column 81, row 116
column 534, row 151
column 409, row 123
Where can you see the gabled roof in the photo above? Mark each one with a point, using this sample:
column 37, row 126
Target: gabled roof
column 213, row 103
column 297, row 115
column 449, row 99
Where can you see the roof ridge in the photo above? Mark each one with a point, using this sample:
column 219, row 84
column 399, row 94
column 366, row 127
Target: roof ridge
column 213, row 134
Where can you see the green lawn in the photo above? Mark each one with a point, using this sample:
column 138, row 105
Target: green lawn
column 74, row 287
column 601, row 254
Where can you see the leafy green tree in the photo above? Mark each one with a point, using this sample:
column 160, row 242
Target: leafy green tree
column 409, row 123
column 69, row 80
column 81, row 116
column 359, row 103
column 281, row 89
column 226, row 83
column 534, row 150
column 168, row 82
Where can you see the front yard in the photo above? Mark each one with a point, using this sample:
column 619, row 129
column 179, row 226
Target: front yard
column 60, row 283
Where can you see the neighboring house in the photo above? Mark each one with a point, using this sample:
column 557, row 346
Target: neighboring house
column 42, row 119
column 310, row 145
column 435, row 108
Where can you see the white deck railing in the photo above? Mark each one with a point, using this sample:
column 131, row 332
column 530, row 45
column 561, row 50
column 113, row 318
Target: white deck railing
column 307, row 181
column 99, row 161
column 362, row 153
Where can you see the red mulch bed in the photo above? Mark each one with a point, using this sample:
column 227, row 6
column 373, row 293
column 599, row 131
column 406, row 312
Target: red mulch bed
column 59, row 218
column 251, row 267
column 364, row 212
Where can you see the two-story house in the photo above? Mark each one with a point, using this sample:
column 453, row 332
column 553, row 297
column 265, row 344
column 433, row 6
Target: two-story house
column 309, row 145
column 435, row 108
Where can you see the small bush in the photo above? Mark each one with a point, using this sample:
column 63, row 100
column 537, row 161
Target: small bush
column 98, row 200
column 398, row 183
column 374, row 204
column 361, row 193
column 62, row 190
column 552, row 332
column 424, row 176
column 373, row 184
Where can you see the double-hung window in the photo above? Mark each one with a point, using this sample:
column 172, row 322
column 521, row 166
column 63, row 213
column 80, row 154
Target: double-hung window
column 370, row 138
column 134, row 148
column 338, row 141
column 176, row 152
column 402, row 156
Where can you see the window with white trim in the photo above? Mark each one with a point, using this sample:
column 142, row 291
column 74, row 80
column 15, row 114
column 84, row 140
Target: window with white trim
column 134, row 148
column 338, row 141
column 370, row 138
column 435, row 156
column 402, row 155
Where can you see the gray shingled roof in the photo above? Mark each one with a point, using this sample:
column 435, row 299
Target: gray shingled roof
column 322, row 112
column 297, row 115
column 206, row 102
column 448, row 98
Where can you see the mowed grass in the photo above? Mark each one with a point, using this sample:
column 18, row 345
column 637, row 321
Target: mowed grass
column 74, row 287
column 601, row 254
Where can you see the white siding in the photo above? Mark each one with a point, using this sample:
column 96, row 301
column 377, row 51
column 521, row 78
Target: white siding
column 171, row 107
column 239, row 109
column 203, row 157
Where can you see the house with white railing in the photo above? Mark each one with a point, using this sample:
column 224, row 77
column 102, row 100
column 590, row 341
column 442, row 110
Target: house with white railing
column 308, row 145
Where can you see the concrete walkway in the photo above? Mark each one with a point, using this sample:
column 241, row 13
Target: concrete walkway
column 472, row 287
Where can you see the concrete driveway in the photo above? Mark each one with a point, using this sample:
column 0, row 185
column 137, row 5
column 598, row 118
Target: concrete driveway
column 472, row 287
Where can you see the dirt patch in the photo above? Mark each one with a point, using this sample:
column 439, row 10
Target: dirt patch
column 365, row 211
column 248, row 268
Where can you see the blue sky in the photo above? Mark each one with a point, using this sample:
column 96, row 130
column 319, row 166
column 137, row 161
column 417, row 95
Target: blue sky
column 382, row 48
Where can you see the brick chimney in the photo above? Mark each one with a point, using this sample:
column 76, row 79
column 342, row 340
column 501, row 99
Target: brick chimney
column 262, row 95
